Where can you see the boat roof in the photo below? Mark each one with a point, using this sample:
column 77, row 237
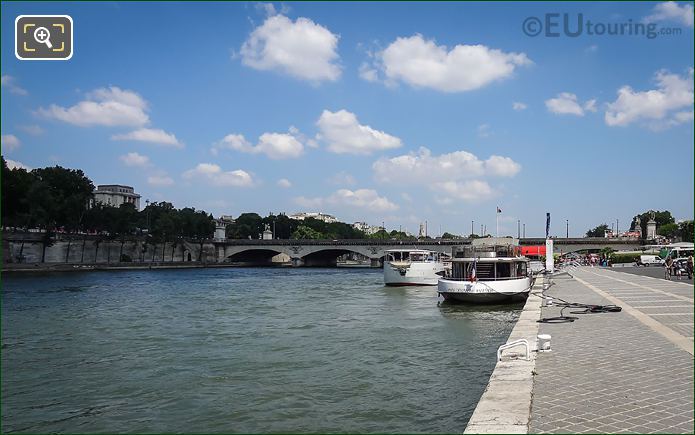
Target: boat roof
column 412, row 251
column 489, row 259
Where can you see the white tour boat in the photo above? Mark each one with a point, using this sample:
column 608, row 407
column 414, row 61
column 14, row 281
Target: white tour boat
column 413, row 267
column 487, row 274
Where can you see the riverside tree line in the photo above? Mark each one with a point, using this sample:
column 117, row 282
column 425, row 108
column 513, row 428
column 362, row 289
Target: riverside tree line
column 60, row 199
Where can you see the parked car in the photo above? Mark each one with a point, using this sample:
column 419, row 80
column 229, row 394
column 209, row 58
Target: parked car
column 650, row 260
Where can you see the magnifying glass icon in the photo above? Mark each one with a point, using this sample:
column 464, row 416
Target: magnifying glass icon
column 43, row 36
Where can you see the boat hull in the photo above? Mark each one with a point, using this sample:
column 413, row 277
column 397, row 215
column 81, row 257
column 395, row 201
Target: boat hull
column 485, row 292
column 400, row 274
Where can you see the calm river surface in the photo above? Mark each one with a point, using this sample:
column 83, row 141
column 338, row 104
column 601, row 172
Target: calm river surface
column 240, row 350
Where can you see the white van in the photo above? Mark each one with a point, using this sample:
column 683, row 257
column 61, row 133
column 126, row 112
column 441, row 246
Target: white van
column 650, row 260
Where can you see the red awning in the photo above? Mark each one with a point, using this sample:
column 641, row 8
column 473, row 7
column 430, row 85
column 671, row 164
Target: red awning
column 533, row 250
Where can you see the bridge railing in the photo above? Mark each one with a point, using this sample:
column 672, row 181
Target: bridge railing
column 345, row 242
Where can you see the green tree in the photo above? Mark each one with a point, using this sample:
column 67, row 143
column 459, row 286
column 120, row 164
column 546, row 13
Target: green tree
column 668, row 230
column 247, row 225
column 448, row 235
column 16, row 184
column 69, row 193
column 685, row 229
column 304, row 232
column 661, row 218
column 599, row 231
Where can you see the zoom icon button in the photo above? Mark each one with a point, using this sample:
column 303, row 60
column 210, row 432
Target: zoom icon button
column 43, row 37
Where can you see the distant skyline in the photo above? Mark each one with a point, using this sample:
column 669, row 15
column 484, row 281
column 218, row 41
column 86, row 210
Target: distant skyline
column 380, row 112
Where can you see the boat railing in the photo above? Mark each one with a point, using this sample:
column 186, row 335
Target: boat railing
column 500, row 278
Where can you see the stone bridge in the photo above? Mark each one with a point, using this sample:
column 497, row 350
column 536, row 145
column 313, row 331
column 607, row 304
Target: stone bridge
column 34, row 248
column 326, row 252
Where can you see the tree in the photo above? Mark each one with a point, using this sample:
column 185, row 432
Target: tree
column 661, row 218
column 668, row 230
column 685, row 229
column 247, row 225
column 304, row 232
column 599, row 231
column 15, row 188
column 69, row 193
column 448, row 235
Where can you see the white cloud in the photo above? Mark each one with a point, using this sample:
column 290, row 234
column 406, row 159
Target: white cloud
column 590, row 106
column 343, row 178
column 274, row 145
column 9, row 82
column 9, row 142
column 519, row 106
column 345, row 135
column 412, row 168
column 302, row 49
column 670, row 104
column 152, row 135
column 105, row 106
column 471, row 190
column 135, row 160
column 284, row 183
column 160, row 180
column 671, row 11
column 367, row 199
column 279, row 146
column 565, row 104
column 484, row 130
column 501, row 166
column 12, row 164
column 213, row 174
column 368, row 73
column 422, row 63
column 33, row 129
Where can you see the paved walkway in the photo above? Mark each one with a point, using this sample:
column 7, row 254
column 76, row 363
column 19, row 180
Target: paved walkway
column 623, row 372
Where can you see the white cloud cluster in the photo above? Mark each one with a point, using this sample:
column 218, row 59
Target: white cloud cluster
column 160, row 180
column 452, row 176
column 9, row 82
column 214, row 175
column 668, row 105
column 284, row 183
column 302, row 49
column 111, row 106
column 566, row 103
column 342, row 178
column 422, row 63
column 135, row 160
column 412, row 168
column 519, row 106
column 671, row 11
column 345, row 135
column 367, row 199
column 151, row 135
column 274, row 145
column 471, row 190
column 12, row 164
column 9, row 142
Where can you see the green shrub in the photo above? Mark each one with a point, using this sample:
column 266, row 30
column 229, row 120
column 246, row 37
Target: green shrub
column 624, row 258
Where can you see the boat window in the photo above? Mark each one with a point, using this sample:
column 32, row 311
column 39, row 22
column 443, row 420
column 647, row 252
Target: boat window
column 417, row 257
column 521, row 268
column 503, row 270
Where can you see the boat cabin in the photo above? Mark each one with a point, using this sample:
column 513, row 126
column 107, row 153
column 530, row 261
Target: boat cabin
column 411, row 255
column 490, row 263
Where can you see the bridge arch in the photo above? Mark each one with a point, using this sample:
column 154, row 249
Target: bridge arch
column 253, row 257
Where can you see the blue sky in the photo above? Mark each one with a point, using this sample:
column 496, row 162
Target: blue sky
column 377, row 112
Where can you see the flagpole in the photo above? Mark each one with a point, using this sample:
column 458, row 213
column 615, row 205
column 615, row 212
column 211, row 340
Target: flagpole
column 497, row 222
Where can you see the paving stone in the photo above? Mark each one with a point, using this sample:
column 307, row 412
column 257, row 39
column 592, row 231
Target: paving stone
column 609, row 372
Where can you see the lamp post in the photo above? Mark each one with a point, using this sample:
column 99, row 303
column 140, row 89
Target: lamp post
column 524, row 231
column 472, row 228
column 147, row 201
column 567, row 234
column 518, row 228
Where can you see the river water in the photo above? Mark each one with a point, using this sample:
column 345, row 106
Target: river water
column 240, row 350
